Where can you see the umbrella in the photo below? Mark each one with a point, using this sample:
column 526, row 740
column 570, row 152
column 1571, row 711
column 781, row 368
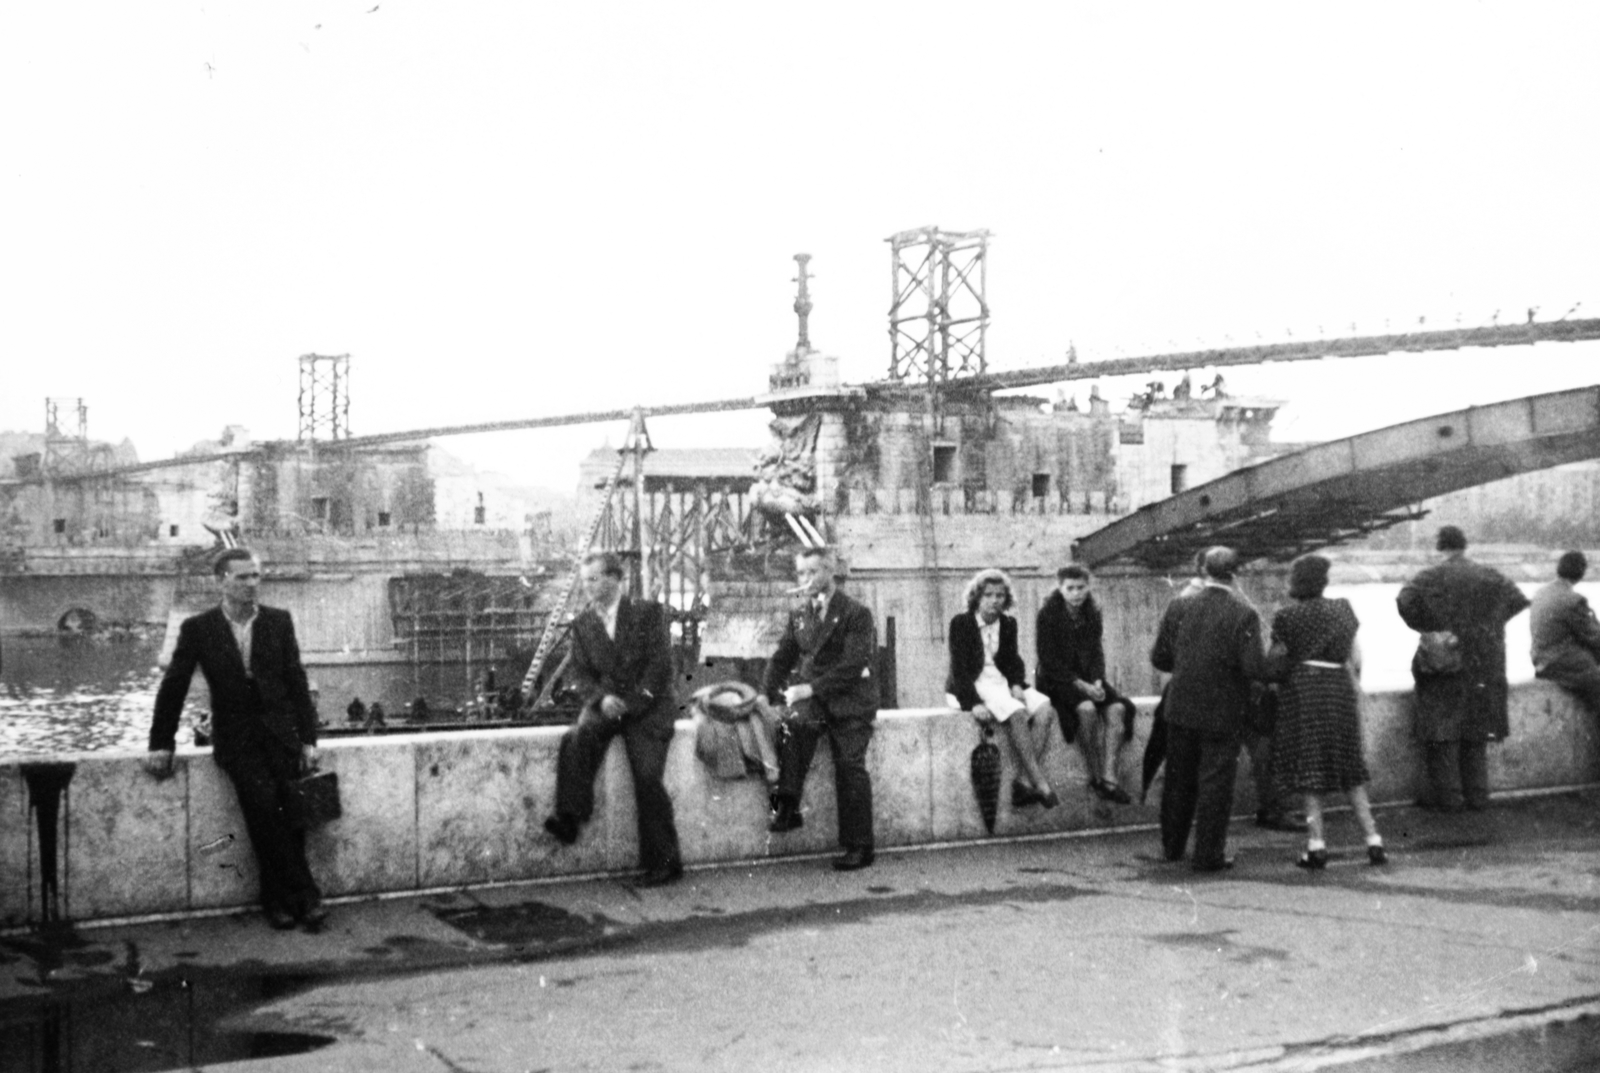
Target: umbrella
column 986, row 777
column 1155, row 750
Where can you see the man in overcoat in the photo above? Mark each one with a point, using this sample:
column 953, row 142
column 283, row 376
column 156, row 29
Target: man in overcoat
column 1566, row 636
column 822, row 670
column 1460, row 712
column 1210, row 643
column 621, row 664
column 263, row 727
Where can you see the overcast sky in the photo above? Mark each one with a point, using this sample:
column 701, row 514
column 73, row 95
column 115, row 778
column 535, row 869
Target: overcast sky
column 510, row 210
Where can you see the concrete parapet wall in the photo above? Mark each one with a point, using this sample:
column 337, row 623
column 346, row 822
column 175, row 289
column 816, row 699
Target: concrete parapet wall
column 453, row 810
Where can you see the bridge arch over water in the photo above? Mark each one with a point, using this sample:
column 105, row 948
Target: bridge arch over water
column 1342, row 490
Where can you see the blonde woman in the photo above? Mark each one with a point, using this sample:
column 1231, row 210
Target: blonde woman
column 987, row 678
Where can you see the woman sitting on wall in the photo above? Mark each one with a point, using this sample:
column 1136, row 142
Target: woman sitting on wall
column 1072, row 673
column 987, row 678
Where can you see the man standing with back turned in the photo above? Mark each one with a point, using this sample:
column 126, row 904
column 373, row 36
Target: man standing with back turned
column 263, row 727
column 822, row 670
column 1210, row 643
column 1460, row 711
column 622, row 666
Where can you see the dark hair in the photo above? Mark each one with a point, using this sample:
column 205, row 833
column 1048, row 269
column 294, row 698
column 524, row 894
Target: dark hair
column 1073, row 570
column 1221, row 563
column 219, row 565
column 982, row 580
column 609, row 562
column 1451, row 538
column 1308, row 576
column 1573, row 566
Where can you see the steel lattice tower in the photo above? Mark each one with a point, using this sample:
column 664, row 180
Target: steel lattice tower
column 324, row 397
column 66, row 437
column 939, row 317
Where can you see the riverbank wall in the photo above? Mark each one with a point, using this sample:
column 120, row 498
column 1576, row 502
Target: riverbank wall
column 459, row 810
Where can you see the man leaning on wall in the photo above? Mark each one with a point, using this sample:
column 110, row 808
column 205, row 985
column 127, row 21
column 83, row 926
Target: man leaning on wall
column 263, row 727
column 822, row 670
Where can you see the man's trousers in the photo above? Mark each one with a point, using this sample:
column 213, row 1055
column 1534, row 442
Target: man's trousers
column 848, row 740
column 1201, row 768
column 583, row 750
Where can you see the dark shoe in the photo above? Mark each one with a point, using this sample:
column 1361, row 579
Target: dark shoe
column 313, row 915
column 660, row 877
column 786, row 817
column 1023, row 795
column 852, row 859
column 1049, row 799
column 1375, row 855
column 1213, row 866
column 562, row 827
column 1114, row 793
column 277, row 919
column 1313, row 860
column 1278, row 821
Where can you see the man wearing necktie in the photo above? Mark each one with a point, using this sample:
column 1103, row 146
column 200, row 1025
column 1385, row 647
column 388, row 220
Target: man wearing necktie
column 822, row 670
column 621, row 663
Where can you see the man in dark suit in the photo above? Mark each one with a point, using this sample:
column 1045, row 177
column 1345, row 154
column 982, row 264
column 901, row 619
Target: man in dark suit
column 822, row 669
column 1459, row 712
column 621, row 663
column 1566, row 636
column 263, row 727
column 1210, row 642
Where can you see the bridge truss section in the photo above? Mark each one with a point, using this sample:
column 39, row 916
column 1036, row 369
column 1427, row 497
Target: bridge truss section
column 939, row 312
column 1340, row 491
column 324, row 397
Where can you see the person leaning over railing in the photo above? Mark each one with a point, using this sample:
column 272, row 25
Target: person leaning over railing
column 989, row 679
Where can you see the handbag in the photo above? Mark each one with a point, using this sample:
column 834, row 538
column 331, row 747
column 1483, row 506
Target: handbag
column 1438, row 652
column 316, row 798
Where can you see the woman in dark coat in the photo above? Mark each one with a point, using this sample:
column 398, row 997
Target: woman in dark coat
column 1072, row 673
column 1316, row 745
column 988, row 679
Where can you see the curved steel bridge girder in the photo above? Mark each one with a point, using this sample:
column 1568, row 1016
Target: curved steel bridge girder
column 1342, row 490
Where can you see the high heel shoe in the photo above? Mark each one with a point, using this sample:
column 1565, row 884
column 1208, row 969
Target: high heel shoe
column 1313, row 860
column 1023, row 795
column 1375, row 855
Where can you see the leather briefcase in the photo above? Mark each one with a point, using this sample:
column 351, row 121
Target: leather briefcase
column 316, row 798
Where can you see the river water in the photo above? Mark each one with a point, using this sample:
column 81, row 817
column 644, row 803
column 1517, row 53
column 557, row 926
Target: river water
column 78, row 694
column 85, row 694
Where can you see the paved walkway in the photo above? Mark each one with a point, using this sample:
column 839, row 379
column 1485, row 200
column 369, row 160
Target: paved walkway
column 1053, row 954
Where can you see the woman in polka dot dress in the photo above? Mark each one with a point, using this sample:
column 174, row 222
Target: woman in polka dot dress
column 1316, row 745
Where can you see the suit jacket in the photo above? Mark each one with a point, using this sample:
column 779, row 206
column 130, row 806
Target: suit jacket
column 273, row 696
column 966, row 658
column 1566, row 636
column 833, row 656
column 1068, row 647
column 635, row 667
column 1210, row 643
column 1474, row 602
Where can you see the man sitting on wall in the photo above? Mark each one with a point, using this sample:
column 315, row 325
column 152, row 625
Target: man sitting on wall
column 622, row 665
column 1566, row 635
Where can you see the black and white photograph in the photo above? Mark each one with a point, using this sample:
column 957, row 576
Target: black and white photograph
column 893, row 536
